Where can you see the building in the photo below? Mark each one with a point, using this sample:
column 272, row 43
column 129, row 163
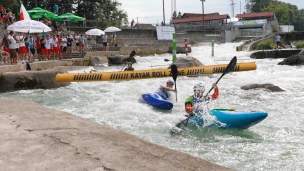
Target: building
column 253, row 25
column 193, row 21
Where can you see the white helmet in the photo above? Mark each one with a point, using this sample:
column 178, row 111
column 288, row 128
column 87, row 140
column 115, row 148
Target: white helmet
column 199, row 87
column 199, row 90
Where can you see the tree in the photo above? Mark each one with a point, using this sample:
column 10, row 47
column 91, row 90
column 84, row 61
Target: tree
column 284, row 12
column 259, row 5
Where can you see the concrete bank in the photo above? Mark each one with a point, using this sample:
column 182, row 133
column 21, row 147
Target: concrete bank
column 34, row 137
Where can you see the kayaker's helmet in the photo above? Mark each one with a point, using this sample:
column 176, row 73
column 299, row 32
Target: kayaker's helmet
column 199, row 90
column 170, row 82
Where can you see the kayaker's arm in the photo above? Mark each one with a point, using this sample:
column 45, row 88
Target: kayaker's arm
column 168, row 89
column 216, row 92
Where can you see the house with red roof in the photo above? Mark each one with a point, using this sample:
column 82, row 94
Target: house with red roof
column 211, row 19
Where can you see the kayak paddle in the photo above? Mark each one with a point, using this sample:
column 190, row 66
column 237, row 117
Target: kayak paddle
column 174, row 73
column 230, row 66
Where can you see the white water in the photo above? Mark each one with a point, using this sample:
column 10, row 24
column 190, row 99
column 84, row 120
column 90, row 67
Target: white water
column 274, row 144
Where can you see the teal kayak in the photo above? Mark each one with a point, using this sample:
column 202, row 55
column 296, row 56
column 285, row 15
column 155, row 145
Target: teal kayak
column 230, row 119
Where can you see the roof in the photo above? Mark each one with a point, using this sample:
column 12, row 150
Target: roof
column 200, row 18
column 252, row 15
column 191, row 15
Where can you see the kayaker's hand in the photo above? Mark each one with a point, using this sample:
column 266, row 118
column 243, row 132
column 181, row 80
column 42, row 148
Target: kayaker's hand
column 174, row 90
column 214, row 86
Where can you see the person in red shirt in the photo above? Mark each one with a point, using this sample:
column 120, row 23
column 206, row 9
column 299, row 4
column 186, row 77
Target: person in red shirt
column 38, row 47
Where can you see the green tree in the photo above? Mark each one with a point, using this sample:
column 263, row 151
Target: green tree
column 259, row 5
column 284, row 12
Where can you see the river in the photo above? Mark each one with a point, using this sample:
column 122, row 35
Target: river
column 274, row 144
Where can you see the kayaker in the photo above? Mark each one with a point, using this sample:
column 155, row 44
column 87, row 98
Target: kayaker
column 163, row 91
column 130, row 68
column 197, row 102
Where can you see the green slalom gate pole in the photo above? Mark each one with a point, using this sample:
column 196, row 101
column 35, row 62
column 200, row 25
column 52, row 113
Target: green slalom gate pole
column 174, row 47
column 212, row 51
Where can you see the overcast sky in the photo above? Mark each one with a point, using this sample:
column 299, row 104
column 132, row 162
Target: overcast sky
column 151, row 11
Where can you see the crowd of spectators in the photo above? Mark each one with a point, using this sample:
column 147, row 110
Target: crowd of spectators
column 6, row 16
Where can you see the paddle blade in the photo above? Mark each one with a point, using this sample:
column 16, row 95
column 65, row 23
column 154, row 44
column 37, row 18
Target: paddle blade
column 166, row 60
column 132, row 54
column 174, row 72
column 231, row 65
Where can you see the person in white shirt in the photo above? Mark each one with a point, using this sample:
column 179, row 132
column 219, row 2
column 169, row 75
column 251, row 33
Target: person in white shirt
column 64, row 45
column 105, row 43
column 54, row 47
column 48, row 46
column 77, row 41
column 12, row 46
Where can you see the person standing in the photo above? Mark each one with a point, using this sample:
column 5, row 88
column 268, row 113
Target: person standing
column 5, row 45
column 12, row 46
column 48, row 46
column 81, row 43
column 38, row 47
column 64, row 46
column 278, row 40
column 105, row 42
column 77, row 41
column 54, row 47
column 132, row 23
column 32, row 46
column 69, row 46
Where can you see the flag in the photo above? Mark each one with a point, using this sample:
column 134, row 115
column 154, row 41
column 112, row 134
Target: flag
column 24, row 14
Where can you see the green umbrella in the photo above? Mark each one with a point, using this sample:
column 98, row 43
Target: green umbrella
column 68, row 17
column 40, row 13
column 37, row 10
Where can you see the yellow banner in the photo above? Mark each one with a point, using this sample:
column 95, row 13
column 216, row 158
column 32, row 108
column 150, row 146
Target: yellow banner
column 152, row 73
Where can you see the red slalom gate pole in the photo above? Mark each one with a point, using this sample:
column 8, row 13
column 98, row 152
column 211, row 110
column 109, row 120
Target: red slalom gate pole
column 186, row 46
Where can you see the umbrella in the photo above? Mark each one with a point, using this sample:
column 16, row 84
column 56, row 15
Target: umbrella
column 29, row 26
column 95, row 32
column 39, row 13
column 112, row 29
column 68, row 17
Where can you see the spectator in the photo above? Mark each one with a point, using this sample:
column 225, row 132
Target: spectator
column 81, row 42
column 69, row 46
column 113, row 41
column 77, row 41
column 12, row 46
column 105, row 42
column 132, row 23
column 64, row 45
column 32, row 46
column 38, row 47
column 48, row 46
column 5, row 45
column 43, row 50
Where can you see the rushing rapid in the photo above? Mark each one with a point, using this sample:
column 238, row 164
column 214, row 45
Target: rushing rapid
column 274, row 144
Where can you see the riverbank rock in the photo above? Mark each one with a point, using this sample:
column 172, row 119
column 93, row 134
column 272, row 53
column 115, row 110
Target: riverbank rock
column 35, row 137
column 267, row 87
column 98, row 61
column 293, row 60
column 184, row 62
column 118, row 60
column 38, row 79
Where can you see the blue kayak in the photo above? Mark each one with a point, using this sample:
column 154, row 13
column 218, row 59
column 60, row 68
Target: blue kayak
column 157, row 101
column 231, row 119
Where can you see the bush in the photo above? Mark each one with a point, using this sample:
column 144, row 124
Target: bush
column 266, row 44
column 300, row 44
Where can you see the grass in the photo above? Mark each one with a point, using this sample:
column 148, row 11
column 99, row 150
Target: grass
column 300, row 44
column 266, row 44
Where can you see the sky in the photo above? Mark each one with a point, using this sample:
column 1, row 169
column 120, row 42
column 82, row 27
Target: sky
column 151, row 11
